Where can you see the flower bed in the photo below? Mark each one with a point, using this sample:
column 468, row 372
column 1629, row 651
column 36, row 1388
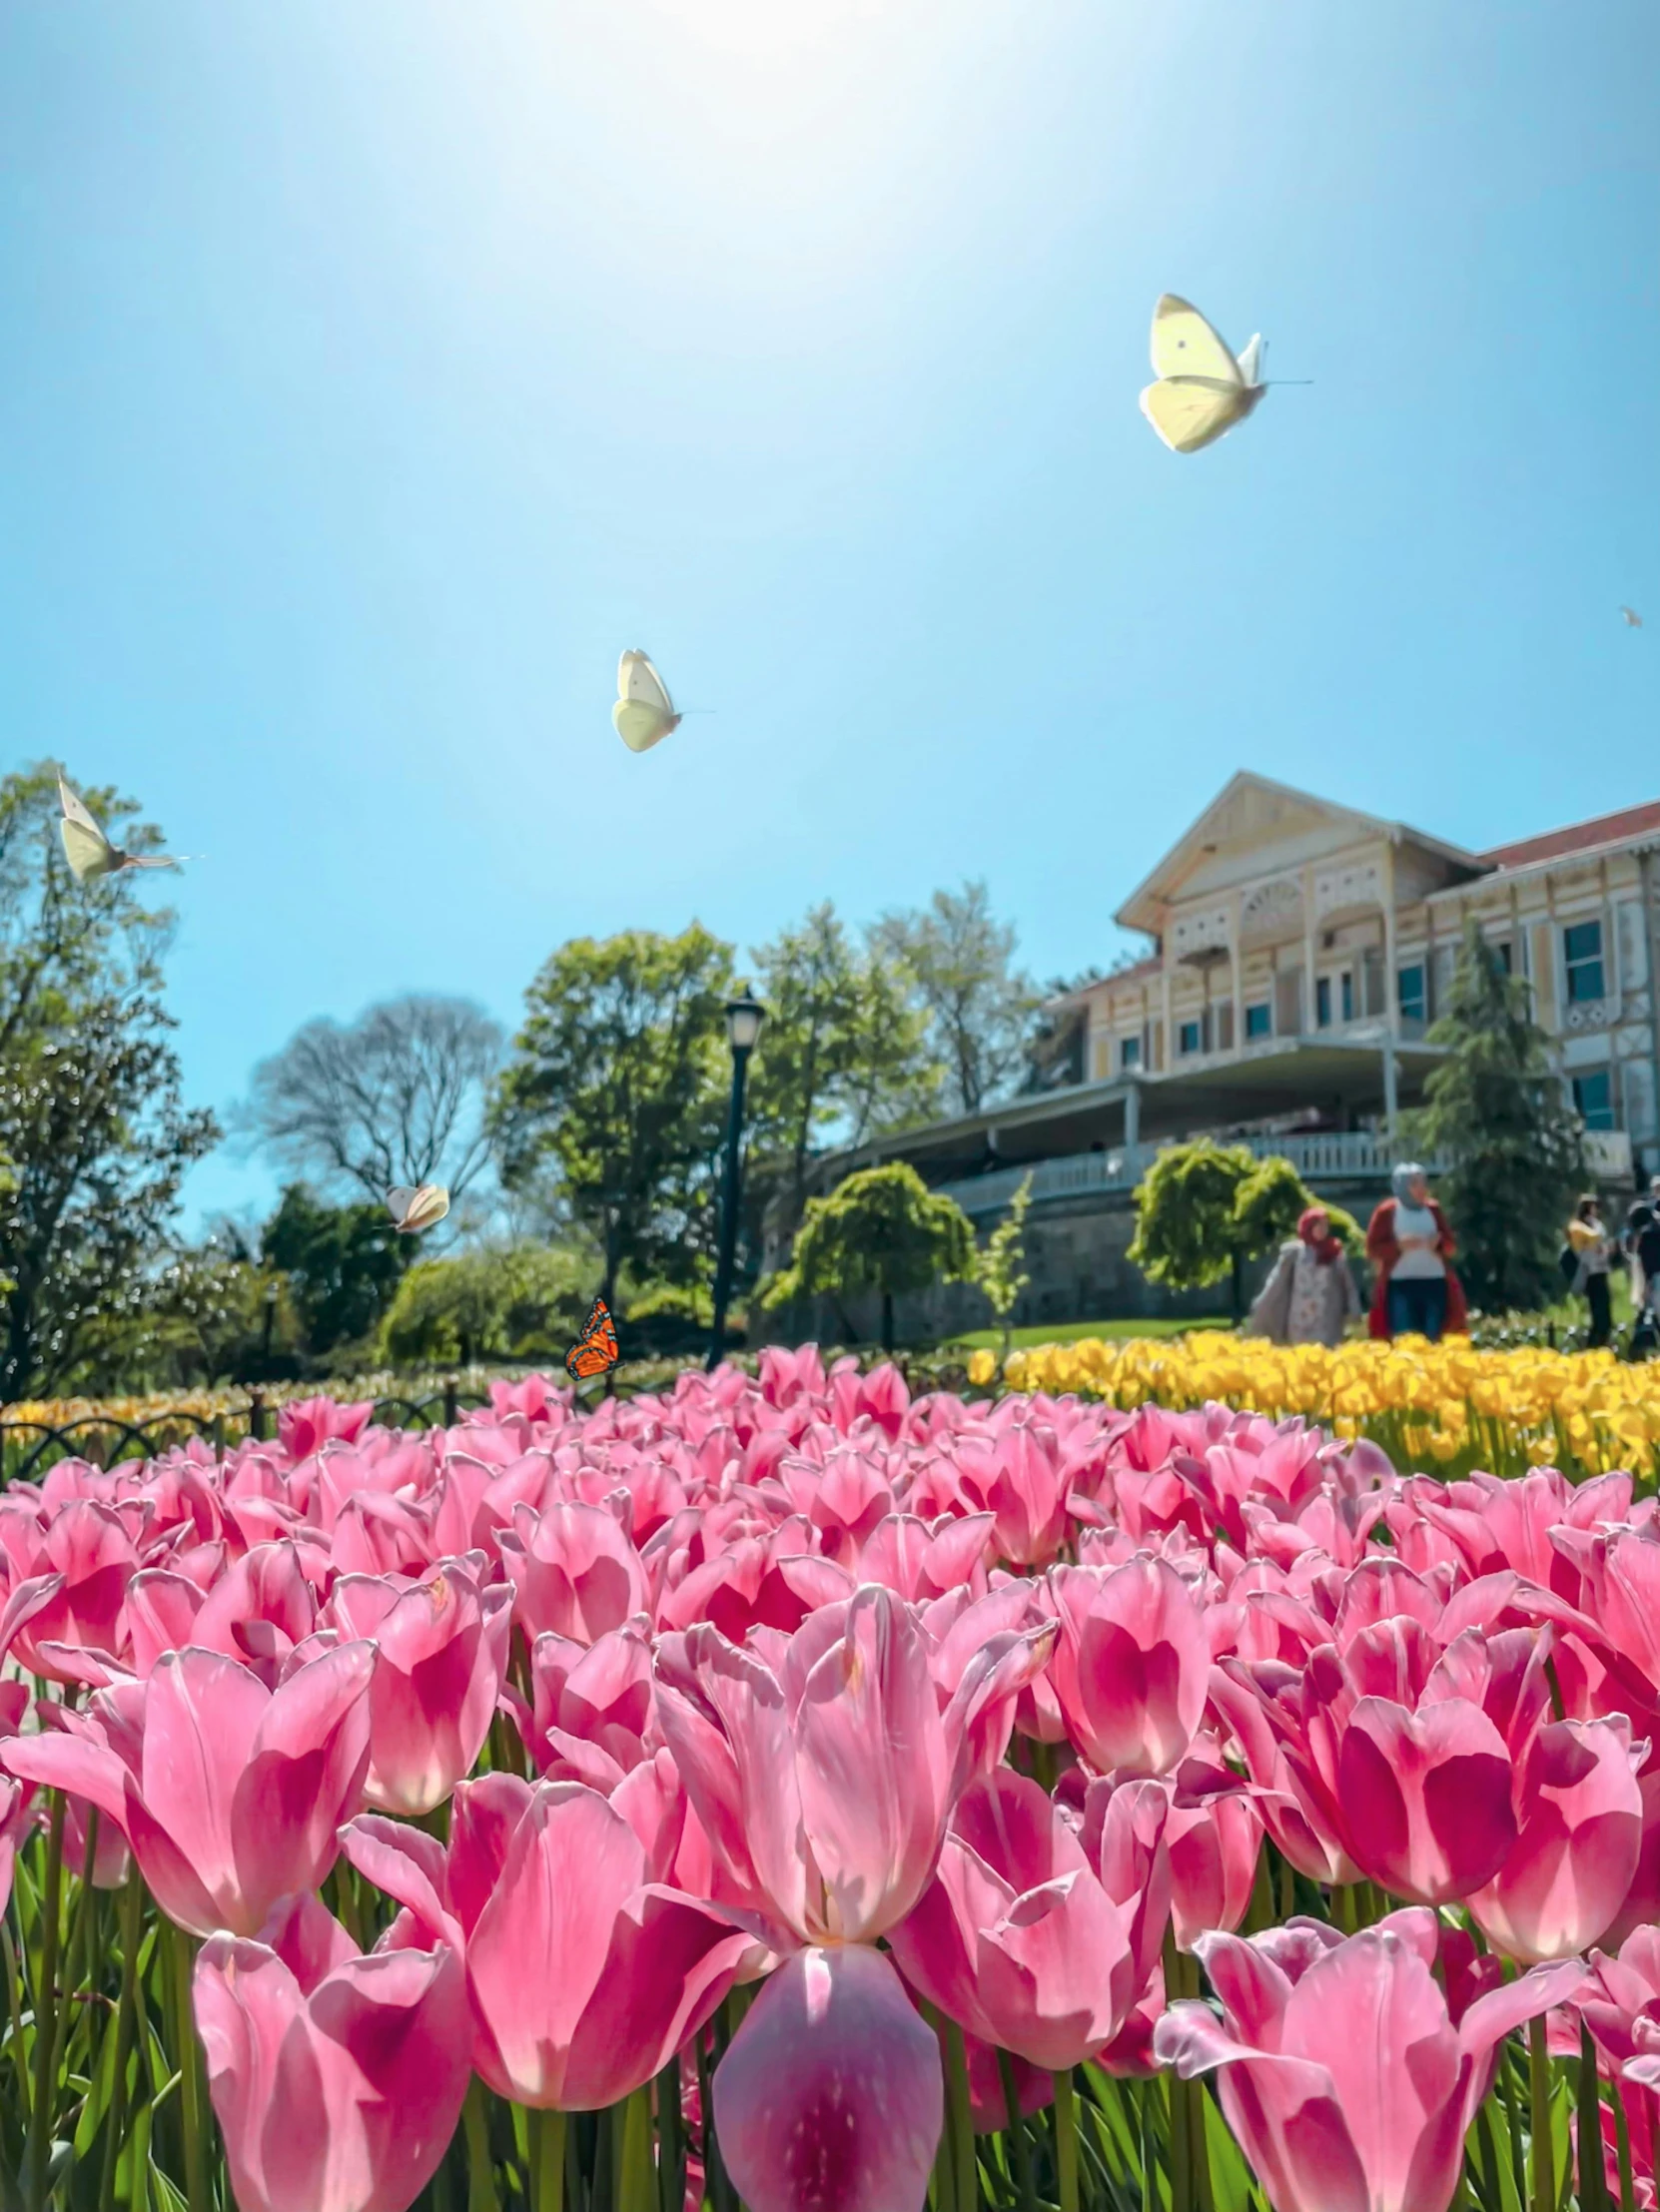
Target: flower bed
column 787, row 1792
column 1451, row 1403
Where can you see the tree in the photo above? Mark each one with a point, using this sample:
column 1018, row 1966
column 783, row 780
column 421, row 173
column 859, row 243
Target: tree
column 979, row 1007
column 343, row 1264
column 1495, row 1111
column 396, row 1097
column 880, row 1229
column 841, row 1053
column 1001, row 1269
column 90, row 1118
column 619, row 1079
column 1203, row 1209
column 487, row 1303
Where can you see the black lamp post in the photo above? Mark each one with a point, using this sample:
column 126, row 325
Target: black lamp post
column 744, row 1017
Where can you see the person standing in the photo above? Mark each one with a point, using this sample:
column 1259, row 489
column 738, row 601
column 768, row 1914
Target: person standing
column 1593, row 1248
column 1410, row 1243
column 1311, row 1295
column 1642, row 1227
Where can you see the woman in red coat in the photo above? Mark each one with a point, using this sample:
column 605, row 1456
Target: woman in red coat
column 1410, row 1246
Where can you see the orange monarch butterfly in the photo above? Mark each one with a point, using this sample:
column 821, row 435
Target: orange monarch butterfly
column 595, row 1350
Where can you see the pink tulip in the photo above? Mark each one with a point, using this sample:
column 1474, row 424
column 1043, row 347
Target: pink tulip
column 920, row 1560
column 825, row 1788
column 441, row 1650
column 830, row 2097
column 788, row 1377
column 1132, row 1665
column 305, row 1425
column 575, row 1571
column 1343, row 2075
column 1411, row 1788
column 338, row 2079
column 1620, row 2004
column 1028, row 1940
column 228, row 1794
column 1573, row 1861
column 1011, row 1475
column 592, row 1707
column 1213, row 1836
column 69, row 1590
column 585, row 1978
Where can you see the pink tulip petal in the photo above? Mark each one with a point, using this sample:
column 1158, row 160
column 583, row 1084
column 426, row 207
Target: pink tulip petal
column 830, row 2097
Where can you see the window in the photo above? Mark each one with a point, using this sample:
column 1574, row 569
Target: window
column 1504, row 957
column 1259, row 1020
column 1322, row 1003
column 1190, row 1037
column 1348, row 995
column 1593, row 1095
column 1130, row 1052
column 1414, row 1005
column 1582, row 957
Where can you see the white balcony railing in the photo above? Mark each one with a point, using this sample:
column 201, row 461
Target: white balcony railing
column 1326, row 1157
column 1332, row 1157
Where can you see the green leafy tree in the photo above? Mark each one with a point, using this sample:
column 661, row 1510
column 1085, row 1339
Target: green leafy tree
column 90, row 1118
column 1000, row 1270
column 1204, row 1209
column 1497, row 1113
column 207, row 1314
column 881, row 1229
column 489, row 1303
column 343, row 1264
column 842, row 1053
column 979, row 1007
column 618, row 1080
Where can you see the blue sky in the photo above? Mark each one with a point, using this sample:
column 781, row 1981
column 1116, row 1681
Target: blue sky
column 372, row 374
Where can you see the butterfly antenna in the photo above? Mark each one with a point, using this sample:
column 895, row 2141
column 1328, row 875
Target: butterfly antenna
column 1290, row 379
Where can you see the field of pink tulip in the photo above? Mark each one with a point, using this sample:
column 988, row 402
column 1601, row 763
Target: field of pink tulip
column 785, row 1792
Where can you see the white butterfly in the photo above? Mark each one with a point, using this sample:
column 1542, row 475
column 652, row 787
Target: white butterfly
column 413, row 1210
column 1202, row 390
column 89, row 851
column 1633, row 620
column 644, row 713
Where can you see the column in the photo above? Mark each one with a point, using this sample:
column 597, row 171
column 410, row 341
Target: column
column 1308, row 1016
column 1237, row 965
column 1391, row 985
column 1132, row 1116
column 1391, row 1092
column 1168, row 1059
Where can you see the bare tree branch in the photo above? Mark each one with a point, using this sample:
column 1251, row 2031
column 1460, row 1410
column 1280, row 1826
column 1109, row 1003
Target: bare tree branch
column 396, row 1097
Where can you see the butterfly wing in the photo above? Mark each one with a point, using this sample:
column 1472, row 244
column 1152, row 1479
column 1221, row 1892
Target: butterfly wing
column 641, row 725
column 1185, row 344
column 1250, row 360
column 87, row 851
column 398, row 1202
column 1191, row 412
column 595, row 1350
column 637, row 679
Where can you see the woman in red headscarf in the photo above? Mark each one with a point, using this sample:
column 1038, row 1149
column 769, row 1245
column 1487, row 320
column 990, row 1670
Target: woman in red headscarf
column 1310, row 1295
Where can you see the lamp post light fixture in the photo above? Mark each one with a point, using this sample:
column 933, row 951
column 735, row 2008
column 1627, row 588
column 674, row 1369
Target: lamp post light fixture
column 744, row 1017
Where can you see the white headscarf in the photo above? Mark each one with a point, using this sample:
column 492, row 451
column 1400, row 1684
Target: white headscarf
column 1402, row 1178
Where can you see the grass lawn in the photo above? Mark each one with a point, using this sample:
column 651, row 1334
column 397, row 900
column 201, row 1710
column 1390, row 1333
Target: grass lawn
column 1069, row 1333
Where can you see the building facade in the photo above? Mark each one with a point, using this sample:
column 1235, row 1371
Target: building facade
column 1299, row 952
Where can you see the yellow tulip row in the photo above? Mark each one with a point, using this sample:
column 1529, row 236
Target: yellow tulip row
column 1448, row 1403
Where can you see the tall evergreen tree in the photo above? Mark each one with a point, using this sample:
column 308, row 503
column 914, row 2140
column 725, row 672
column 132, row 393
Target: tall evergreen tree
column 1497, row 1113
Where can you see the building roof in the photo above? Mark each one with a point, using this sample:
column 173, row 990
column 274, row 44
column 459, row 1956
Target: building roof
column 1247, row 794
column 1578, row 836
